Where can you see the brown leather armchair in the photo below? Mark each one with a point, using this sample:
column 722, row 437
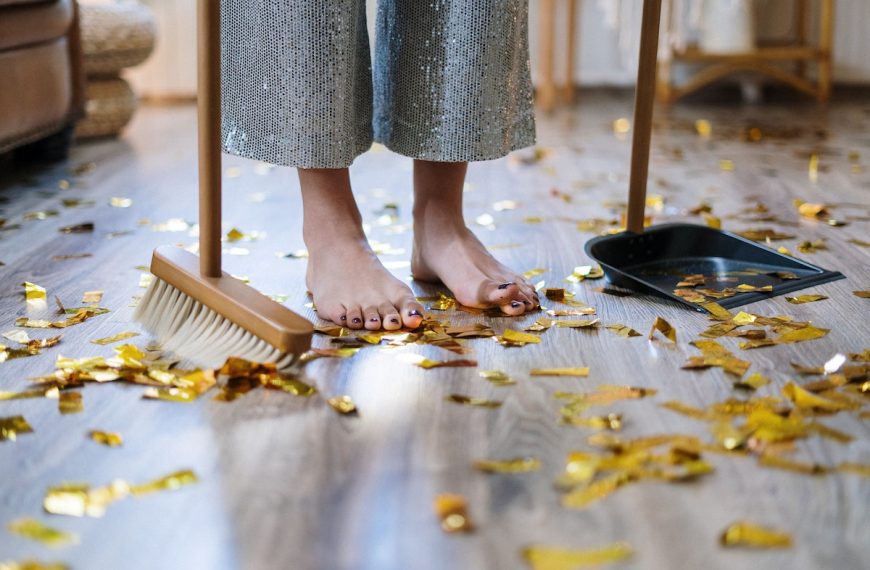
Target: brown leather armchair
column 41, row 80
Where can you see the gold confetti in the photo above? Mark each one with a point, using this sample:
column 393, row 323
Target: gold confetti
column 862, row 294
column 33, row 565
column 726, row 165
column 512, row 337
column 34, row 294
column 578, row 323
column 78, row 228
column 663, row 327
column 805, row 400
column 623, row 330
column 533, row 273
column 764, row 234
column 35, row 530
column 777, row 462
column 811, row 211
column 117, row 202
column 754, row 536
column 754, row 381
column 115, row 338
column 703, row 128
column 476, row 402
column 452, row 511
column 107, row 438
column 79, row 499
column 515, row 465
column 854, row 468
column 169, row 482
column 577, row 371
column 554, row 558
column 459, row 363
column 6, row 396
column 92, row 297
column 343, row 405
column 291, row 385
column 78, row 317
column 621, row 126
column 12, row 426
column 497, row 377
column 70, row 403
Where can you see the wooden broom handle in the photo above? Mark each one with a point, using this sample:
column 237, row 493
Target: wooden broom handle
column 209, row 135
column 644, row 95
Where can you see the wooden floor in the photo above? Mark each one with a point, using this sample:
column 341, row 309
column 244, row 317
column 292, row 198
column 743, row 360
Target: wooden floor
column 285, row 482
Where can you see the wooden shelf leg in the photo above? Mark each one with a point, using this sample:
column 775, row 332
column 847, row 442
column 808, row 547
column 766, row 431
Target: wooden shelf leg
column 547, row 88
column 570, row 56
column 826, row 45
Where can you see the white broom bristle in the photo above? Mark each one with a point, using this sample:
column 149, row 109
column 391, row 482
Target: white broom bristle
column 196, row 333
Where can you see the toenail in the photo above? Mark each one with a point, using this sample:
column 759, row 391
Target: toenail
column 506, row 285
column 515, row 304
column 373, row 319
column 343, row 318
column 414, row 313
column 527, row 302
column 394, row 320
column 357, row 320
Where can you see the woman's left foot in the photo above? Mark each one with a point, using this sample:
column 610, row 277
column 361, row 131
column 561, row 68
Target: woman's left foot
column 449, row 252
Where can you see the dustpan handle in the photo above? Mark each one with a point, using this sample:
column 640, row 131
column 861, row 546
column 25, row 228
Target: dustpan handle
column 644, row 95
column 209, row 135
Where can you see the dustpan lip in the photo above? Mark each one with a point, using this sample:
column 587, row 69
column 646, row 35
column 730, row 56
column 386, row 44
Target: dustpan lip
column 822, row 275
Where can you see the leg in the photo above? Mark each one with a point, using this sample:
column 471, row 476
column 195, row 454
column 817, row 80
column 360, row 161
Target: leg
column 447, row 251
column 348, row 282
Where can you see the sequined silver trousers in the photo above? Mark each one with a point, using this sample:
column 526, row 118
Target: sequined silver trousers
column 449, row 80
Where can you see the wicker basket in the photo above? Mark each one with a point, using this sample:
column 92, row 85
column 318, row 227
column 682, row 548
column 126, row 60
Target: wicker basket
column 115, row 36
column 110, row 107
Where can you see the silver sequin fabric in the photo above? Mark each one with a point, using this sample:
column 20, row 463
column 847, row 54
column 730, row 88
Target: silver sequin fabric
column 448, row 80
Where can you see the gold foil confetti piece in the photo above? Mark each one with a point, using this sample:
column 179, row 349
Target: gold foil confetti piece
column 800, row 299
column 713, row 221
column 497, row 377
column 70, row 403
column 726, row 165
column 12, row 426
column 476, row 330
column 19, row 336
column 811, row 246
column 169, row 482
column 34, row 530
column 691, row 280
column 540, row 324
column 92, row 297
column 554, row 294
column 71, row 256
column 703, row 128
column 801, row 334
column 515, row 465
column 171, row 225
column 332, row 330
column 452, row 511
column 78, row 228
column 754, row 381
column 511, row 337
column 39, row 215
column 77, row 203
column 78, row 317
column 743, row 318
column 777, row 462
column 812, row 211
column 571, row 312
column 26, row 394
column 718, row 330
column 533, row 273
column 291, row 385
column 172, row 394
column 623, row 330
column 107, row 438
column 764, row 234
column 578, row 323
column 690, row 295
column 459, row 363
column 746, row 534
column 663, row 327
column 554, row 558
column 343, row 405
column 859, row 242
column 612, row 421
column 118, row 202
column 115, row 338
column 830, row 433
column 613, row 291
column 596, row 490
column 503, row 205
column 469, row 401
column 315, row 353
column 33, row 293
column 854, row 468
column 806, row 400
column 717, row 311
column 687, row 410
column 865, row 294
column 581, row 372
column 32, row 565
column 78, row 499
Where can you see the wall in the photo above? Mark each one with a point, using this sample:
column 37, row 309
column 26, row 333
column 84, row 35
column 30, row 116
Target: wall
column 171, row 70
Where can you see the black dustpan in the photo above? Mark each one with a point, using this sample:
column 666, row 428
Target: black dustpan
column 656, row 259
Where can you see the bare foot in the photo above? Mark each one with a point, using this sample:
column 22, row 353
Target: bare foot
column 351, row 288
column 454, row 256
column 446, row 251
column 349, row 284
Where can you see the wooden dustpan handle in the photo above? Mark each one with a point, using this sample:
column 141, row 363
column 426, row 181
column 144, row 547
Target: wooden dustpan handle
column 644, row 95
column 209, row 135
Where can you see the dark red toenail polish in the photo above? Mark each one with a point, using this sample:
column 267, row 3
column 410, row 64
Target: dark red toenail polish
column 414, row 313
column 343, row 317
column 373, row 319
column 506, row 285
column 394, row 320
column 515, row 304
column 357, row 320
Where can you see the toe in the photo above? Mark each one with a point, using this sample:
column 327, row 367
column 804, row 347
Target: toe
column 495, row 293
column 412, row 313
column 372, row 318
column 354, row 318
column 337, row 315
column 514, row 308
column 390, row 317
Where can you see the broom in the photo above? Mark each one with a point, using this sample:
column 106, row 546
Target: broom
column 192, row 307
